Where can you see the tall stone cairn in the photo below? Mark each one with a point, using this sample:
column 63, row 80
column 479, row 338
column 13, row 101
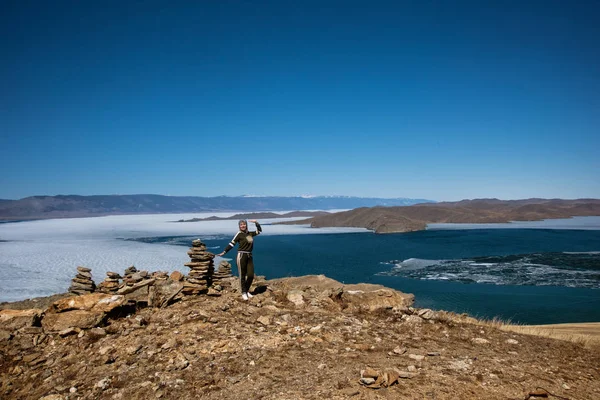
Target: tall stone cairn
column 223, row 272
column 111, row 283
column 82, row 283
column 201, row 267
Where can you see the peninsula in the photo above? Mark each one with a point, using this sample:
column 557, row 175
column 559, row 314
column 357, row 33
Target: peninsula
column 416, row 217
column 259, row 215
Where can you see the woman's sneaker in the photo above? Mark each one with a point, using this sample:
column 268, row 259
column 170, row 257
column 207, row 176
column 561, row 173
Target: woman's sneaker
column 245, row 296
column 249, row 295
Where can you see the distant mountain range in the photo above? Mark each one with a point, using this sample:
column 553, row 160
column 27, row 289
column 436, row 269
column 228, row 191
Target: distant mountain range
column 416, row 217
column 69, row 206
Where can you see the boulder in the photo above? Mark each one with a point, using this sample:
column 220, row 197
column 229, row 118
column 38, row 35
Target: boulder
column 12, row 320
column 426, row 313
column 57, row 322
column 296, row 297
column 364, row 296
column 176, row 276
column 371, row 298
column 140, row 293
column 99, row 302
column 164, row 292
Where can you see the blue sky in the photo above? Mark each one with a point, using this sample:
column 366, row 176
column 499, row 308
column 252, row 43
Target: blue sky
column 428, row 99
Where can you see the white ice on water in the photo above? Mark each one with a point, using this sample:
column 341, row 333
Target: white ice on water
column 39, row 257
column 580, row 223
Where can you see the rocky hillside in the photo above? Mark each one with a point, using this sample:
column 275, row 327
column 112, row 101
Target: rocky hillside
column 297, row 338
column 416, row 217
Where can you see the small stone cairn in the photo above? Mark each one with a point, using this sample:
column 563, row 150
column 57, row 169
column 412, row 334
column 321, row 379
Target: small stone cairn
column 201, row 267
column 222, row 273
column 82, row 283
column 160, row 275
column 133, row 276
column 128, row 276
column 111, row 283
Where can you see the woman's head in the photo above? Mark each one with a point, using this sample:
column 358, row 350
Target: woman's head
column 243, row 224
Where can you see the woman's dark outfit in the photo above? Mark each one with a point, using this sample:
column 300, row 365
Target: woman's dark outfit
column 245, row 241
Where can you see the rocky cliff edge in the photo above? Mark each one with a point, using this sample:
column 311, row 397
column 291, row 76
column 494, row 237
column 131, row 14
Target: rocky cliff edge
column 298, row 338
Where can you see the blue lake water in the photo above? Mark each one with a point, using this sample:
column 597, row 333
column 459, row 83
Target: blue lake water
column 531, row 276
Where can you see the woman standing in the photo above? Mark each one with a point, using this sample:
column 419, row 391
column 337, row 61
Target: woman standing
column 245, row 264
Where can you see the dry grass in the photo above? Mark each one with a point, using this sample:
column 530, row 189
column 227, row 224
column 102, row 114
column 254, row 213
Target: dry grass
column 586, row 333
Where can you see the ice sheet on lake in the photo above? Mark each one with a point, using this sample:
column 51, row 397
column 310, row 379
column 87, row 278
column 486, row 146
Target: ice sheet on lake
column 38, row 258
column 537, row 269
column 585, row 223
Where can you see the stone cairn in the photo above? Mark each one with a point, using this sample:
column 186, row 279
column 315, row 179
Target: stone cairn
column 160, row 275
column 133, row 276
column 128, row 276
column 111, row 283
column 201, row 269
column 82, row 283
column 222, row 273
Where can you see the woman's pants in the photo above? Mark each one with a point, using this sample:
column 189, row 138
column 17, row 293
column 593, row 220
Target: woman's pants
column 246, row 270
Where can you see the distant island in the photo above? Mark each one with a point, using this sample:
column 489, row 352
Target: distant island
column 259, row 215
column 73, row 206
column 416, row 217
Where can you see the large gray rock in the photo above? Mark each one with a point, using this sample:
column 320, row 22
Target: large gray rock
column 359, row 297
column 12, row 320
column 139, row 294
column 368, row 297
column 98, row 302
column 56, row 322
column 296, row 297
column 164, row 292
column 426, row 313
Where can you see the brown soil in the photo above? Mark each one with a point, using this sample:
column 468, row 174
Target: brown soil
column 270, row 348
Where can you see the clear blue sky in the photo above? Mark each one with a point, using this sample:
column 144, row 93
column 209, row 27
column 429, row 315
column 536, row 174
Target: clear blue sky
column 431, row 99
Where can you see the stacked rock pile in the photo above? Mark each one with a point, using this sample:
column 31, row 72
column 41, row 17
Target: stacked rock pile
column 129, row 272
column 201, row 267
column 82, row 283
column 160, row 275
column 111, row 283
column 133, row 276
column 222, row 273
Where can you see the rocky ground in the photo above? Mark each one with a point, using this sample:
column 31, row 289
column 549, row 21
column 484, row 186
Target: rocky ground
column 298, row 338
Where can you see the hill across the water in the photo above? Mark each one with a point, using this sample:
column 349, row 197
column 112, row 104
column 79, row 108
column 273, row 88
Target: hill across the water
column 416, row 217
column 259, row 215
column 72, row 206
